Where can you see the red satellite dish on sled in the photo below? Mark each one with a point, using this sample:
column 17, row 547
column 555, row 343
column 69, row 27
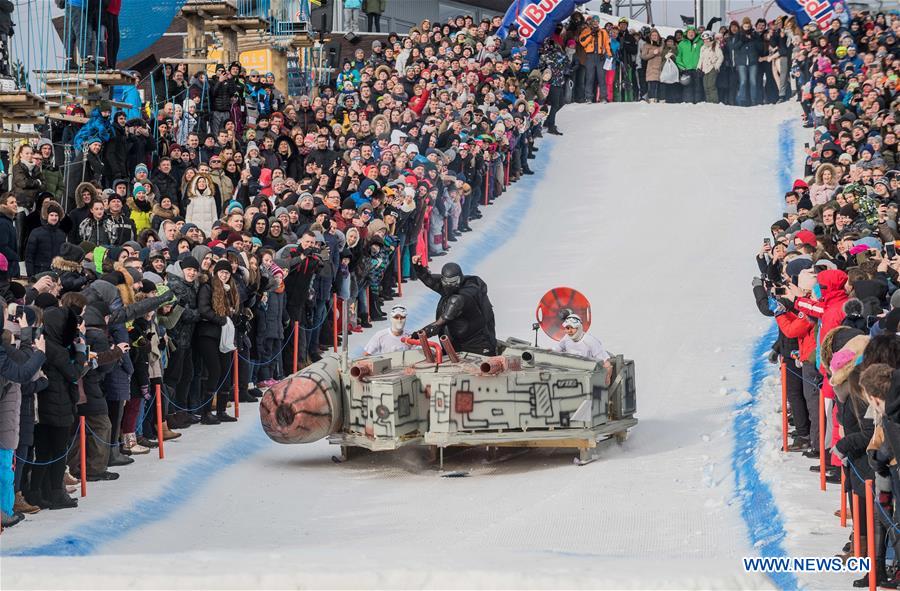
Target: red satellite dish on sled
column 558, row 303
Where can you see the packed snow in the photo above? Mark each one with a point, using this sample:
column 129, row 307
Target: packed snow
column 653, row 212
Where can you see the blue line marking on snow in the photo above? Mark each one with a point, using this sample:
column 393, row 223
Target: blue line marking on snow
column 758, row 507
column 182, row 487
column 189, row 480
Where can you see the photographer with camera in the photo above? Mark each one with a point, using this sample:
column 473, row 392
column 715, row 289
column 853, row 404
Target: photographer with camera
column 302, row 262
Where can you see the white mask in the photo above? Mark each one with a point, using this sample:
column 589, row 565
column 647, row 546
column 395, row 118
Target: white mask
column 397, row 324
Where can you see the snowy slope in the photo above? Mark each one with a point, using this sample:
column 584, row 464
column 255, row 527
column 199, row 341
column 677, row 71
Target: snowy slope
column 653, row 211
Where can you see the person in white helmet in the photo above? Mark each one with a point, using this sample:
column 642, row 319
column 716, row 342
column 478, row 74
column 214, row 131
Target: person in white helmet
column 578, row 342
column 388, row 340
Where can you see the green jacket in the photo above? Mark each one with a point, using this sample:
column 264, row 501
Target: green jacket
column 374, row 6
column 688, row 55
column 53, row 182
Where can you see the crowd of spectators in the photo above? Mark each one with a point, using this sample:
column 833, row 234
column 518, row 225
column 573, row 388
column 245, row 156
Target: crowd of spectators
column 231, row 220
column 830, row 271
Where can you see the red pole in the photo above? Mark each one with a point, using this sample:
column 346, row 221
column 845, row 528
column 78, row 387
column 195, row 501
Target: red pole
column 856, row 543
column 334, row 320
column 870, row 532
column 159, row 422
column 237, row 404
column 784, row 412
column 843, row 499
column 400, row 274
column 296, row 343
column 82, row 435
column 822, row 442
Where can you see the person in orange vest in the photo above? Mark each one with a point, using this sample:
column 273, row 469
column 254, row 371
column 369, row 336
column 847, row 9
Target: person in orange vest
column 595, row 41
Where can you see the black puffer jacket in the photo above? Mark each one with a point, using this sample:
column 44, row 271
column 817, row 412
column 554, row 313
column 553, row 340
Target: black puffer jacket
column 57, row 405
column 43, row 243
column 97, row 338
column 183, row 331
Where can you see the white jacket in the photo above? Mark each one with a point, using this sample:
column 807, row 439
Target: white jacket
column 711, row 58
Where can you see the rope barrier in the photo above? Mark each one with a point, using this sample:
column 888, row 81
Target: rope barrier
column 62, row 457
column 287, row 341
column 208, row 400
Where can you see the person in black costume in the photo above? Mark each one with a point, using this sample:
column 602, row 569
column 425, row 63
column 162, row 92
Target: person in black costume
column 464, row 312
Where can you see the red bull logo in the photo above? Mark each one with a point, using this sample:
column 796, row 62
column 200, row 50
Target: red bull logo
column 819, row 11
column 533, row 15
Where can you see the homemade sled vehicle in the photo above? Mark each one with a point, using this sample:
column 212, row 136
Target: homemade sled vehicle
column 432, row 395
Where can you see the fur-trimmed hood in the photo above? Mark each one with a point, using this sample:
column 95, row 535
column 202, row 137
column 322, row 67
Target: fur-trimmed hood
column 63, row 266
column 51, row 205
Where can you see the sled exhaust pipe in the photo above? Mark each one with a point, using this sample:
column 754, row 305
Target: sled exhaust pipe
column 496, row 365
column 449, row 348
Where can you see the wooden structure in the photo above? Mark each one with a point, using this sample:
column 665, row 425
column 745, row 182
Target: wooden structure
column 87, row 88
column 221, row 18
column 20, row 107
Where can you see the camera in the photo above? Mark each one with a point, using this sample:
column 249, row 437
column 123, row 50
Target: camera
column 14, row 312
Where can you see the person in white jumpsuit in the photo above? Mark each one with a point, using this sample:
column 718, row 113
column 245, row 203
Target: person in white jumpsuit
column 388, row 340
column 578, row 342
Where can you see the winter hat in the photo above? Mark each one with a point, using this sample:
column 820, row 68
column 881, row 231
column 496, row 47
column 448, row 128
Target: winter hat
column 800, row 184
column 136, row 276
column 152, row 277
column 252, row 146
column 139, row 188
column 4, row 264
column 804, row 203
column 232, row 238
column 797, row 265
column 51, row 206
column 71, row 252
column 46, row 300
column 200, row 251
column 190, row 262
column 140, row 168
column 222, row 265
column 806, row 237
column 116, row 197
column 895, row 300
column 846, row 359
column 233, row 205
column 348, row 203
column 133, row 245
column 808, row 225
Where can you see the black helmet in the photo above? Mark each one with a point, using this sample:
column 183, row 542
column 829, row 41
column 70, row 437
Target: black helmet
column 451, row 275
